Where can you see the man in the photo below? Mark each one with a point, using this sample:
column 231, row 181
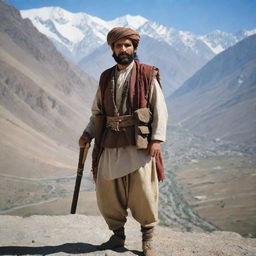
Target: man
column 127, row 161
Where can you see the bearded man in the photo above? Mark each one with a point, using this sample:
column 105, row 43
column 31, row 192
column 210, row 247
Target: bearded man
column 128, row 122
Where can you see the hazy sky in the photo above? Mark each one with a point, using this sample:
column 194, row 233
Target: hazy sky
column 198, row 16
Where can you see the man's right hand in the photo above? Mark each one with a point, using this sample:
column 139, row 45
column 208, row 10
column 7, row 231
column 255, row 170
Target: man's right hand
column 84, row 139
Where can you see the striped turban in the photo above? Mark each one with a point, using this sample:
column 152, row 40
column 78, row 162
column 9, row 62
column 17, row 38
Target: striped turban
column 120, row 32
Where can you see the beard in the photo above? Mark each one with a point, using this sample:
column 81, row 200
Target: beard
column 124, row 58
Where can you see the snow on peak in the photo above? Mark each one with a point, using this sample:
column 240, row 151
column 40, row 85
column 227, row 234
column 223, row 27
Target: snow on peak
column 249, row 32
column 128, row 21
column 218, row 40
column 81, row 33
column 53, row 12
column 245, row 33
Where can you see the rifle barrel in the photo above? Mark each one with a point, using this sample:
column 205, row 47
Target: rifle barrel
column 82, row 157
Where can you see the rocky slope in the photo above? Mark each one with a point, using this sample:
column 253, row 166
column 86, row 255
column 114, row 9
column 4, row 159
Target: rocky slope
column 219, row 100
column 45, row 100
column 77, row 234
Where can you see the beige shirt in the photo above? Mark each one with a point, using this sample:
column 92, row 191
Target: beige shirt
column 117, row 162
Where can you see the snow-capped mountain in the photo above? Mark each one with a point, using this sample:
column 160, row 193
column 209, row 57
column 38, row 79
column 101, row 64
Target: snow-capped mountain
column 77, row 35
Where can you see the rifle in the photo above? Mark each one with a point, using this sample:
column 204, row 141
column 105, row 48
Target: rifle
column 82, row 157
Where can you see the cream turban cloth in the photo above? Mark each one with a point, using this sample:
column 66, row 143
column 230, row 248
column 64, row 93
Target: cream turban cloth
column 121, row 32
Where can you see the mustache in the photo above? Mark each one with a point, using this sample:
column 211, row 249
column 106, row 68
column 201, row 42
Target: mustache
column 123, row 54
column 128, row 57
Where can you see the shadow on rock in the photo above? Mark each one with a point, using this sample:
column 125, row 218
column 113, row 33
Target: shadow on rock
column 73, row 248
column 123, row 249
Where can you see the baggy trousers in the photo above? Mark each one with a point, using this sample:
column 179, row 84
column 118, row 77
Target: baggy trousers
column 137, row 191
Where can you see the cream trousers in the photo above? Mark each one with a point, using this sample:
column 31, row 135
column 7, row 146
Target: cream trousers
column 137, row 191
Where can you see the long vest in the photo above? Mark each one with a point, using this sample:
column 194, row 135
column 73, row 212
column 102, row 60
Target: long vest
column 139, row 88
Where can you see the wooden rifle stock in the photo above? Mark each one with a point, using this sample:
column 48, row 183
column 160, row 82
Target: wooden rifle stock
column 82, row 157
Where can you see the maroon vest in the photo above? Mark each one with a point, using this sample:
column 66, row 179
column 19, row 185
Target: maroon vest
column 139, row 88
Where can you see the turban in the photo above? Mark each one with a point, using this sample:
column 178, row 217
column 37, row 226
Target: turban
column 120, row 32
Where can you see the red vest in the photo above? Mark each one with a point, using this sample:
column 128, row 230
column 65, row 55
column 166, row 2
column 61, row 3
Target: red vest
column 138, row 94
column 139, row 86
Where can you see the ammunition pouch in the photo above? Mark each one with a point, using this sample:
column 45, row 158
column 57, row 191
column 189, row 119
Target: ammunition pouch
column 142, row 118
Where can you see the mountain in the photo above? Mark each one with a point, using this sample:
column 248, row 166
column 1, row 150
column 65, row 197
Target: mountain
column 80, row 33
column 81, row 37
column 219, row 100
column 44, row 100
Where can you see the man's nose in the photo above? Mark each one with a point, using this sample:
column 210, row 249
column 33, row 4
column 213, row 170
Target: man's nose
column 123, row 48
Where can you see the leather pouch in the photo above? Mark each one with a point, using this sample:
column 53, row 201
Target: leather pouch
column 142, row 117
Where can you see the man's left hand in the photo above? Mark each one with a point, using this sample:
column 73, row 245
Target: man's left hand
column 154, row 148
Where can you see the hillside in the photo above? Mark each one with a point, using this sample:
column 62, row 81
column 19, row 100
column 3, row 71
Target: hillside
column 44, row 105
column 219, row 100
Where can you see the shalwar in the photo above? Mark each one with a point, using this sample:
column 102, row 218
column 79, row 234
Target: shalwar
column 137, row 191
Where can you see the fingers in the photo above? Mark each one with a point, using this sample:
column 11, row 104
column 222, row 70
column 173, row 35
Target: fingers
column 154, row 152
column 153, row 149
column 83, row 141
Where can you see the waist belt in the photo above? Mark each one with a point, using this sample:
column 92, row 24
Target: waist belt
column 116, row 122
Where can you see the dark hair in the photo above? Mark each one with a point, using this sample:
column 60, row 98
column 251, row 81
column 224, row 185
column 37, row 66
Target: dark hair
column 135, row 44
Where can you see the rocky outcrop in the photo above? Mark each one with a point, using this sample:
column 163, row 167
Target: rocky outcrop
column 79, row 235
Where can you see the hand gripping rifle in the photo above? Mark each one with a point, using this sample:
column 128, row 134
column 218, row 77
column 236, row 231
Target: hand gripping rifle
column 80, row 169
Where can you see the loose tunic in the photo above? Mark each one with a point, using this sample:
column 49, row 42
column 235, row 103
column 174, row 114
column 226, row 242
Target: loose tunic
column 118, row 162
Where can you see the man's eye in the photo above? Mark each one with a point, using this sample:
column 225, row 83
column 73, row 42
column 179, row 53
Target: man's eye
column 120, row 45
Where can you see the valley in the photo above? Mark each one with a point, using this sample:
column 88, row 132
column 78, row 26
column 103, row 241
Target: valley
column 210, row 185
column 215, row 178
column 222, row 190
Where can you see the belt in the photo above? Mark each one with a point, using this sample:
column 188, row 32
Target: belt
column 116, row 122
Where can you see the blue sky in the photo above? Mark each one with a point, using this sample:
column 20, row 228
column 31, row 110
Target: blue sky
column 198, row 16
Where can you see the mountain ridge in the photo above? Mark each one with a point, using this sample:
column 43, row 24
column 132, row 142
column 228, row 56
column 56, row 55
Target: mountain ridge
column 80, row 37
column 172, row 36
column 41, row 95
column 218, row 100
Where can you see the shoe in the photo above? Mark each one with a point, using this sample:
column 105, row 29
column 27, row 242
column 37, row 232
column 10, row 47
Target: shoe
column 148, row 249
column 113, row 242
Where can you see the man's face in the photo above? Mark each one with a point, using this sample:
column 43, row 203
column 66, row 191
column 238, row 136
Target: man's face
column 123, row 51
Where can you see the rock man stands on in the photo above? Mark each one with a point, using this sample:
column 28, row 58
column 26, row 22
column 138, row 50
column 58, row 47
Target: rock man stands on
column 128, row 123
